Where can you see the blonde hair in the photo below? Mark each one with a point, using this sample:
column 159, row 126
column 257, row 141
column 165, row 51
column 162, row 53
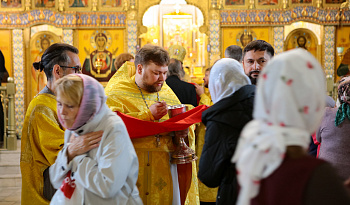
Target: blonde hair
column 70, row 87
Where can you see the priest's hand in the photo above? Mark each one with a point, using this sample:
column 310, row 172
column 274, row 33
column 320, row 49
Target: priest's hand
column 81, row 144
column 159, row 109
column 199, row 89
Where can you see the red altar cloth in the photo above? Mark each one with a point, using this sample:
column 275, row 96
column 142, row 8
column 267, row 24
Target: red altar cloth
column 139, row 128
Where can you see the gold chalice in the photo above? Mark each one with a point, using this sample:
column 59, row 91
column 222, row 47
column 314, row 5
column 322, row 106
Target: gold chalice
column 98, row 65
column 182, row 154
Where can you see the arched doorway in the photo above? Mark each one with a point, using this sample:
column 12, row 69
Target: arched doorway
column 170, row 24
column 304, row 35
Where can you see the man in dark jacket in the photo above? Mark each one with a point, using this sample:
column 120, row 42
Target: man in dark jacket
column 186, row 92
column 233, row 98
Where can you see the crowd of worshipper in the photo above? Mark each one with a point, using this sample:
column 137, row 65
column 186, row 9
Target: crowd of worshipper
column 267, row 132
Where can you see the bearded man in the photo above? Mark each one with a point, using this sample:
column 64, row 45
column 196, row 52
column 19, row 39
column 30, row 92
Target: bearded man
column 255, row 56
column 140, row 91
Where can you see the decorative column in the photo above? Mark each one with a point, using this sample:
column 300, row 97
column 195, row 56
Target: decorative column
column 18, row 65
column 68, row 36
column 278, row 39
column 329, row 39
column 131, row 26
column 214, row 36
column 329, row 61
column 28, row 5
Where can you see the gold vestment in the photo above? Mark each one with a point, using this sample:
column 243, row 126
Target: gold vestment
column 42, row 139
column 206, row 194
column 154, row 181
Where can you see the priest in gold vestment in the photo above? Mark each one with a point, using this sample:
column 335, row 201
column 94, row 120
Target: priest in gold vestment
column 42, row 134
column 141, row 92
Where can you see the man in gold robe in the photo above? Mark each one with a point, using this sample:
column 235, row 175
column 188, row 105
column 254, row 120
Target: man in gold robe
column 42, row 134
column 140, row 91
column 206, row 194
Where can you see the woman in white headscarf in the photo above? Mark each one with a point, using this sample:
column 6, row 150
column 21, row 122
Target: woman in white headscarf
column 233, row 98
column 271, row 159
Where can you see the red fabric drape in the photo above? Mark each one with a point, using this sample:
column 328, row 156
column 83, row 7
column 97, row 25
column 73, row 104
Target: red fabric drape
column 139, row 128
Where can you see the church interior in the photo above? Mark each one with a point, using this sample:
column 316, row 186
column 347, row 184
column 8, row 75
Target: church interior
column 103, row 29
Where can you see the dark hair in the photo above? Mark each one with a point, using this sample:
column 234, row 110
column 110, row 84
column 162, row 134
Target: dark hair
column 150, row 53
column 55, row 54
column 121, row 59
column 175, row 68
column 234, row 52
column 259, row 45
column 208, row 69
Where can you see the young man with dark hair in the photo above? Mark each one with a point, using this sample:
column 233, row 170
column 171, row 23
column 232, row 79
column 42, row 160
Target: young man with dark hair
column 255, row 56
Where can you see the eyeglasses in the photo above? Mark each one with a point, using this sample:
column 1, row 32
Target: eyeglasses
column 77, row 69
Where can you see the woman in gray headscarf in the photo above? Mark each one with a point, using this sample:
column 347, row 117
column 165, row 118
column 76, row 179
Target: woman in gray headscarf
column 233, row 97
column 333, row 134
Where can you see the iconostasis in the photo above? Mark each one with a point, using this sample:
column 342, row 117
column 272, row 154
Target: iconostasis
column 103, row 29
column 6, row 49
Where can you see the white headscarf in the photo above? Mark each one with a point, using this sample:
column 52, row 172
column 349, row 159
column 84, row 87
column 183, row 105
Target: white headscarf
column 289, row 106
column 226, row 77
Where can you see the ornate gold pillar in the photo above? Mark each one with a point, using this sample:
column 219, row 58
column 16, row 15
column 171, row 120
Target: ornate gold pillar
column 18, row 72
column 131, row 26
column 278, row 39
column 68, row 36
column 214, row 34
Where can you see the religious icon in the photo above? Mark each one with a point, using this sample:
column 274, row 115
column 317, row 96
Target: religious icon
column 244, row 37
column 234, row 2
column 100, row 62
column 301, row 1
column 335, row 1
column 41, row 42
column 301, row 41
column 45, row 3
column 78, row 3
column 302, row 38
column 111, row 3
column 11, row 3
column 267, row 2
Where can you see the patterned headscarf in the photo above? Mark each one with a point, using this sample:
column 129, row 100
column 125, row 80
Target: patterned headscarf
column 344, row 99
column 226, row 77
column 92, row 100
column 288, row 107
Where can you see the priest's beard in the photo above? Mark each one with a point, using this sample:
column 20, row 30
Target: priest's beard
column 152, row 88
column 253, row 76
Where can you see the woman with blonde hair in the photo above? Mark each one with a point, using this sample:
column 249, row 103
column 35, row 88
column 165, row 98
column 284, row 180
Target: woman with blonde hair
column 92, row 170
column 272, row 163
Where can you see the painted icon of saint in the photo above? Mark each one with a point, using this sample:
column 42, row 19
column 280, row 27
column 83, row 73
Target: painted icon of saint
column 245, row 39
column 39, row 76
column 100, row 62
column 301, row 41
column 11, row 3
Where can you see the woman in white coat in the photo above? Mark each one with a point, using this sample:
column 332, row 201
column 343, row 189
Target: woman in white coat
column 91, row 170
